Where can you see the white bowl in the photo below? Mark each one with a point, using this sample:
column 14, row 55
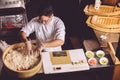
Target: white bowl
column 90, row 54
column 92, row 61
column 103, row 61
column 100, row 53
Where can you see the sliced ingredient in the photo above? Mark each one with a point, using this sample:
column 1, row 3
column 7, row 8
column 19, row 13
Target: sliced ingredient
column 92, row 61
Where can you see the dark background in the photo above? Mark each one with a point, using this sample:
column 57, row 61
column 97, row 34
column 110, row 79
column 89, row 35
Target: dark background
column 70, row 11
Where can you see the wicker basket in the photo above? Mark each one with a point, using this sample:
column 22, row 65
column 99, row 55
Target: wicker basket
column 104, row 10
column 21, row 74
column 104, row 24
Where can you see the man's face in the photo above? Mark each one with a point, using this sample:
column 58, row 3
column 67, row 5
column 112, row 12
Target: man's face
column 45, row 19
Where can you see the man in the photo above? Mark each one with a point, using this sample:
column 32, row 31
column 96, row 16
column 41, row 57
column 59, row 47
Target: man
column 49, row 30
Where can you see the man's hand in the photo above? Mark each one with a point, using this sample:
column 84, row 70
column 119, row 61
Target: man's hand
column 40, row 48
column 28, row 47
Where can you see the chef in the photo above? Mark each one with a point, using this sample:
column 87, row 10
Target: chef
column 49, row 30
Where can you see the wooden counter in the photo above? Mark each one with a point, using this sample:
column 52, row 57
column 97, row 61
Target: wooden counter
column 105, row 73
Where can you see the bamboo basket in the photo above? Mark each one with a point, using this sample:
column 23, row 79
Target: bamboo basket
column 21, row 74
column 104, row 10
column 106, row 26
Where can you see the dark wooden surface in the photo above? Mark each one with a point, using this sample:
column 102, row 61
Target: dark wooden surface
column 111, row 72
column 72, row 14
column 105, row 73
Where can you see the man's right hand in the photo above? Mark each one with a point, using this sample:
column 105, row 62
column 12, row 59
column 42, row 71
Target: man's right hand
column 28, row 47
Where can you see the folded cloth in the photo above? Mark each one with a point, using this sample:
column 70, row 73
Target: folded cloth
column 3, row 45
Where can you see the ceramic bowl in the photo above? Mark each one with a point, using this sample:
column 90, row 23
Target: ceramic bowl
column 103, row 61
column 90, row 54
column 92, row 61
column 100, row 53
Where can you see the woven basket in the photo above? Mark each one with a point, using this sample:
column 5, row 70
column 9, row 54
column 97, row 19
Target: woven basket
column 104, row 24
column 104, row 10
column 107, row 26
column 21, row 74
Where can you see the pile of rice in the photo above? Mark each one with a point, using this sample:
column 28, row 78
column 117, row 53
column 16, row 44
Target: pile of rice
column 17, row 59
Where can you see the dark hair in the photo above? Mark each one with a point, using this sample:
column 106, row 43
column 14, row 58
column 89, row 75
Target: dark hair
column 45, row 9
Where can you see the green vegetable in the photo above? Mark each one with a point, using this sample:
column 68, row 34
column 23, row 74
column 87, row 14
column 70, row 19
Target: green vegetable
column 90, row 54
column 100, row 55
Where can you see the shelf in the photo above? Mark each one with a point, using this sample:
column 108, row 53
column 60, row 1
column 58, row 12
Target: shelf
column 11, row 11
column 13, row 21
column 11, row 7
column 9, row 32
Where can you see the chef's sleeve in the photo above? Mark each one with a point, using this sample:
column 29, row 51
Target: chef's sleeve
column 60, row 30
column 28, row 29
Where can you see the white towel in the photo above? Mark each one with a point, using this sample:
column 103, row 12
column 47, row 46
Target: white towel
column 3, row 45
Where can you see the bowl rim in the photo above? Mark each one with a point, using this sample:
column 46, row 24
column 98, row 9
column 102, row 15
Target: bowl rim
column 14, row 45
column 100, row 51
column 92, row 59
column 91, row 53
column 105, row 58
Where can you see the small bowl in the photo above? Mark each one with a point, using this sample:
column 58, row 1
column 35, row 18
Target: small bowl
column 90, row 54
column 92, row 61
column 103, row 61
column 100, row 53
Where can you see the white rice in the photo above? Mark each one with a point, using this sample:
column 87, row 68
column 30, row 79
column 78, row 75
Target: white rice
column 19, row 60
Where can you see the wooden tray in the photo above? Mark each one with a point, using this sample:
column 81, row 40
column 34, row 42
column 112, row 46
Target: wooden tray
column 104, row 10
column 112, row 53
column 104, row 24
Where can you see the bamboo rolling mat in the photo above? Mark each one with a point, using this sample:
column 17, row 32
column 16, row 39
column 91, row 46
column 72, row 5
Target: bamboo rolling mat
column 60, row 57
